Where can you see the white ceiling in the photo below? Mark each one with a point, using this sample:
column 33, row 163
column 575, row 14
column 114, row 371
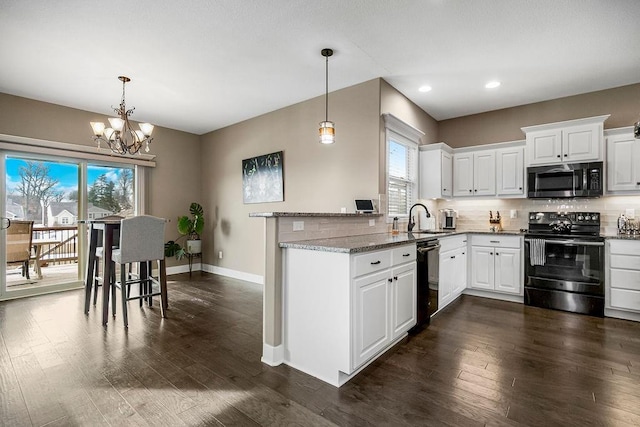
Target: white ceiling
column 201, row 65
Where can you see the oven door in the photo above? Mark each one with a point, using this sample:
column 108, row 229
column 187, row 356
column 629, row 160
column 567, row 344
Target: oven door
column 566, row 264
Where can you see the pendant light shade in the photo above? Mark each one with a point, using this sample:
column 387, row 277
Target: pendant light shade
column 327, row 128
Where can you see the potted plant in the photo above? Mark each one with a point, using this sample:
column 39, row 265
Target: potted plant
column 191, row 228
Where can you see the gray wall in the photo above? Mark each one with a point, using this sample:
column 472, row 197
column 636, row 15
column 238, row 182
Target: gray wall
column 623, row 103
column 173, row 184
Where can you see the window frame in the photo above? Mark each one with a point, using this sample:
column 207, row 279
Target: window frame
column 402, row 133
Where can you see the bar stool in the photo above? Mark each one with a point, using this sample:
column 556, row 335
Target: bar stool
column 97, row 280
column 141, row 241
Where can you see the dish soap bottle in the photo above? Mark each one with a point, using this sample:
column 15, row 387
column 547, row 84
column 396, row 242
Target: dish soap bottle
column 394, row 227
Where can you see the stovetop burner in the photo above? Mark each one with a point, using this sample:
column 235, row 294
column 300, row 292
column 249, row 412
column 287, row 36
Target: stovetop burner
column 564, row 223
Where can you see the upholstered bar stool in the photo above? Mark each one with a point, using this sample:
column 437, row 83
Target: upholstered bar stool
column 141, row 241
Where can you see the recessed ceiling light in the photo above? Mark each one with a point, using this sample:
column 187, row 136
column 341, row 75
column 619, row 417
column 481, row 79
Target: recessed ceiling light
column 424, row 88
column 492, row 85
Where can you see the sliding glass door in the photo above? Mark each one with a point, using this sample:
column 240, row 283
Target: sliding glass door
column 44, row 245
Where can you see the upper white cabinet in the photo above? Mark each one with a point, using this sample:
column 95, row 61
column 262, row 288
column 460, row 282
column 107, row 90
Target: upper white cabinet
column 623, row 161
column 436, row 168
column 474, row 173
column 510, row 171
column 571, row 141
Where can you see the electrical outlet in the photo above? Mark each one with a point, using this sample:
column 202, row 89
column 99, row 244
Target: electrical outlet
column 343, row 210
column 219, row 254
column 513, row 214
column 372, row 222
column 630, row 213
column 298, row 225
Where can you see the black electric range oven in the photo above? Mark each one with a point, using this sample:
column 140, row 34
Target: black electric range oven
column 564, row 262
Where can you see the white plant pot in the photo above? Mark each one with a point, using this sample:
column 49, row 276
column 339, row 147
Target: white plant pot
column 194, row 246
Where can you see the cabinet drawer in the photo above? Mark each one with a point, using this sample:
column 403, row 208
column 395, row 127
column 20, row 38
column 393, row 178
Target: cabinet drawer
column 453, row 242
column 625, row 279
column 371, row 261
column 623, row 298
column 403, row 254
column 625, row 261
column 495, row 240
column 624, row 247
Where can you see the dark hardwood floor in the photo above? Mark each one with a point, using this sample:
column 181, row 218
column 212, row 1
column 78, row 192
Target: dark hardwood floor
column 481, row 362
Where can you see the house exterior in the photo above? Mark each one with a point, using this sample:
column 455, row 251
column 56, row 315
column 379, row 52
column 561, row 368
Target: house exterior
column 14, row 210
column 66, row 213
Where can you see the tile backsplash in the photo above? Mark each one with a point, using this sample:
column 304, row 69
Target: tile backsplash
column 473, row 214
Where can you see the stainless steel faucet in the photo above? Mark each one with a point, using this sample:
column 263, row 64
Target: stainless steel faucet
column 411, row 221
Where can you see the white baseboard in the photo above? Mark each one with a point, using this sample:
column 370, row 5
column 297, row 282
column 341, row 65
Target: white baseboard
column 622, row 314
column 235, row 274
column 183, row 268
column 227, row 272
column 494, row 295
column 272, row 356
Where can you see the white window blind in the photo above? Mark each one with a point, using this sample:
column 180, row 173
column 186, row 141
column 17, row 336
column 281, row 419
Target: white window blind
column 402, row 166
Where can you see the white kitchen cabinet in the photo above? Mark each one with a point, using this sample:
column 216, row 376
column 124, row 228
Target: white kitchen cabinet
column 404, row 293
column 623, row 162
column 452, row 278
column 496, row 263
column 372, row 315
column 474, row 173
column 436, row 171
column 510, row 171
column 622, row 296
column 572, row 141
column 343, row 310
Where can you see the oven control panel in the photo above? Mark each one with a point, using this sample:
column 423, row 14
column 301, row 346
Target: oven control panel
column 573, row 218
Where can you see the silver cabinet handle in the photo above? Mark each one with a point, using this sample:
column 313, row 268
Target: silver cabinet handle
column 494, row 241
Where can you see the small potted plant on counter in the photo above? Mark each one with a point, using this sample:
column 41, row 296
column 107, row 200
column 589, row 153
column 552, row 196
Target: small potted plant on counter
column 191, row 228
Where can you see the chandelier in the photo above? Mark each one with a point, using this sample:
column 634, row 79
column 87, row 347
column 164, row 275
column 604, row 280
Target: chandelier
column 327, row 129
column 121, row 138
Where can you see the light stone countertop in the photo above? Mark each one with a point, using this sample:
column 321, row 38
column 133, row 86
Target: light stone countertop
column 372, row 242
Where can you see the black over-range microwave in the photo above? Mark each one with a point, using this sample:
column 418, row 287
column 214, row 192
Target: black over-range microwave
column 565, row 181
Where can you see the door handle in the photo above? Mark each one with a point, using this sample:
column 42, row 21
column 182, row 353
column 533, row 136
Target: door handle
column 8, row 223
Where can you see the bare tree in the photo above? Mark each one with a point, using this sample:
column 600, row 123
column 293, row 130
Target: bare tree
column 124, row 188
column 36, row 186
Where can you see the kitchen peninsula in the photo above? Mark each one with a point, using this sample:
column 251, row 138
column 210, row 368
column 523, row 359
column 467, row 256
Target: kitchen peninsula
column 333, row 304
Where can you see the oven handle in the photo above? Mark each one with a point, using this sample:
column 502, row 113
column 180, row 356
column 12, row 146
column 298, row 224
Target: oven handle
column 570, row 242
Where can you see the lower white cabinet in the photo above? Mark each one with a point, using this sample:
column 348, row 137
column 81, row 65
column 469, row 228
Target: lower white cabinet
column 623, row 284
column 452, row 279
column 341, row 311
column 496, row 263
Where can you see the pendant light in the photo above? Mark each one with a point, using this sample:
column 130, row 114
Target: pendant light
column 327, row 128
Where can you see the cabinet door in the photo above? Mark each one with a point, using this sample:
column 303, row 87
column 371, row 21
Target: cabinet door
column 404, row 300
column 484, row 173
column 507, row 270
column 482, row 268
column 463, row 174
column 459, row 272
column 445, row 285
column 510, row 167
column 581, row 143
column 371, row 328
column 447, row 174
column 623, row 163
column 544, row 147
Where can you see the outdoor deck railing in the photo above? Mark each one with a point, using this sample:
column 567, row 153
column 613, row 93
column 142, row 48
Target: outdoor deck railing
column 64, row 252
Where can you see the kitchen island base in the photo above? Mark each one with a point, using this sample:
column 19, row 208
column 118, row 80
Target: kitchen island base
column 342, row 311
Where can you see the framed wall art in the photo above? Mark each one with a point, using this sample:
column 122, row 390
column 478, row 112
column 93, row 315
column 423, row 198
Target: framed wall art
column 263, row 178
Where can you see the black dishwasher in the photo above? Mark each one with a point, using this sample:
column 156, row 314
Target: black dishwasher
column 427, row 259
